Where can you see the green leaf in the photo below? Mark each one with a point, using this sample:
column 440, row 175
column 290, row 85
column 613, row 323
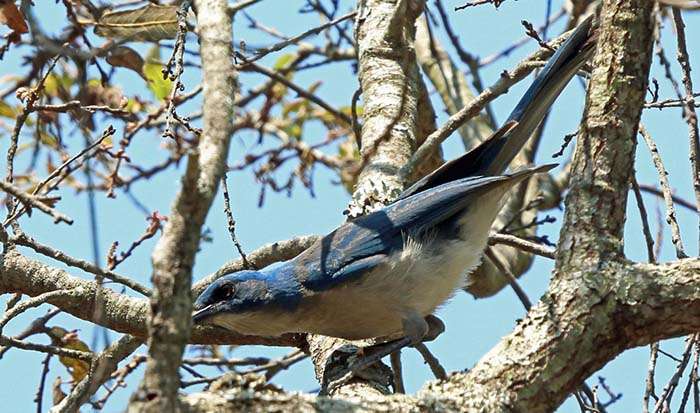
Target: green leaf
column 153, row 70
column 294, row 130
column 348, row 110
column 7, row 111
column 283, row 61
column 148, row 23
column 48, row 139
column 278, row 89
column 293, row 106
column 314, row 86
column 54, row 83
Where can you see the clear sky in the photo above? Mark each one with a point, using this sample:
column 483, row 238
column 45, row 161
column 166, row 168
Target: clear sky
column 473, row 326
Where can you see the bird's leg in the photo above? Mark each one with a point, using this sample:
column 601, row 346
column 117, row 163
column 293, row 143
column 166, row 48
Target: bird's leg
column 435, row 328
column 416, row 329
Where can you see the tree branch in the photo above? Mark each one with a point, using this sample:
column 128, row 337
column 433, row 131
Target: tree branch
column 174, row 254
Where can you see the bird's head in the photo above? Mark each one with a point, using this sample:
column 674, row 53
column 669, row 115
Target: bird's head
column 237, row 299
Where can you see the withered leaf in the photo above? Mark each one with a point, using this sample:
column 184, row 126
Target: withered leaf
column 148, row 23
column 127, row 57
column 12, row 17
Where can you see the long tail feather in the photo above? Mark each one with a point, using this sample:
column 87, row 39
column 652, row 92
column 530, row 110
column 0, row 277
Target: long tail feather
column 493, row 155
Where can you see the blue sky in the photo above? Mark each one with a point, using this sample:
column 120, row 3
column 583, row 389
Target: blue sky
column 473, row 326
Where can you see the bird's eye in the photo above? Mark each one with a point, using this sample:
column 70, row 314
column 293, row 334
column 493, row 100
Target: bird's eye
column 224, row 292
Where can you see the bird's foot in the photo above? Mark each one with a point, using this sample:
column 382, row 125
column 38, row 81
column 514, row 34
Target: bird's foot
column 376, row 352
column 416, row 330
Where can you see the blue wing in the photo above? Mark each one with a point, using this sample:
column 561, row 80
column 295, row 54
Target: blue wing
column 361, row 245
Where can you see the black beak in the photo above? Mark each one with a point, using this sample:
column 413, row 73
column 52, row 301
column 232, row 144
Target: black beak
column 202, row 314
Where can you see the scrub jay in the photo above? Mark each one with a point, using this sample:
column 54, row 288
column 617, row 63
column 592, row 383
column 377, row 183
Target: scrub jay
column 385, row 273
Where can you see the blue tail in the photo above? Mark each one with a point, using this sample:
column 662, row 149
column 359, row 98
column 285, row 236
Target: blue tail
column 493, row 155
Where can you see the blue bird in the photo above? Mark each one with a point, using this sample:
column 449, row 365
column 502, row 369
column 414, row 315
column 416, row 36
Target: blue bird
column 384, row 274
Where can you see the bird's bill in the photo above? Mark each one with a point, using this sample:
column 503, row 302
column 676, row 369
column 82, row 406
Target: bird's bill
column 203, row 313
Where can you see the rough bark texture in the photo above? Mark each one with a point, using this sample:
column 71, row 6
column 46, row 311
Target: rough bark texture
column 389, row 78
column 173, row 257
column 593, row 225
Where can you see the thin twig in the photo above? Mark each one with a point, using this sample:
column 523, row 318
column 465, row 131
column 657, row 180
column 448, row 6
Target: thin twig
column 666, row 190
column 397, row 371
column 35, row 327
column 36, row 201
column 32, row 95
column 77, row 105
column 505, row 81
column 643, row 215
column 206, row 361
column 676, row 199
column 26, row 241
column 155, row 223
column 13, row 342
column 275, row 366
column 292, row 40
column 689, row 113
column 175, row 67
column 667, row 394
column 119, row 376
column 42, row 383
column 33, row 302
column 672, row 103
column 692, row 380
column 302, row 92
column 56, row 172
column 232, row 223
column 522, row 244
column 511, row 279
column 474, row 3
column 649, row 391
column 520, row 42
column 438, row 371
column 235, row 7
column 101, row 368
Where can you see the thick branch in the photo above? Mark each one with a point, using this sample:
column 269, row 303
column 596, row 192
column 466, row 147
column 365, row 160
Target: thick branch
column 600, row 172
column 575, row 330
column 173, row 256
column 389, row 79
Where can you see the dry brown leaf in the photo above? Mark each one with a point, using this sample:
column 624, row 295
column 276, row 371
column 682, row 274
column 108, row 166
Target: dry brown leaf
column 12, row 17
column 127, row 57
column 148, row 23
